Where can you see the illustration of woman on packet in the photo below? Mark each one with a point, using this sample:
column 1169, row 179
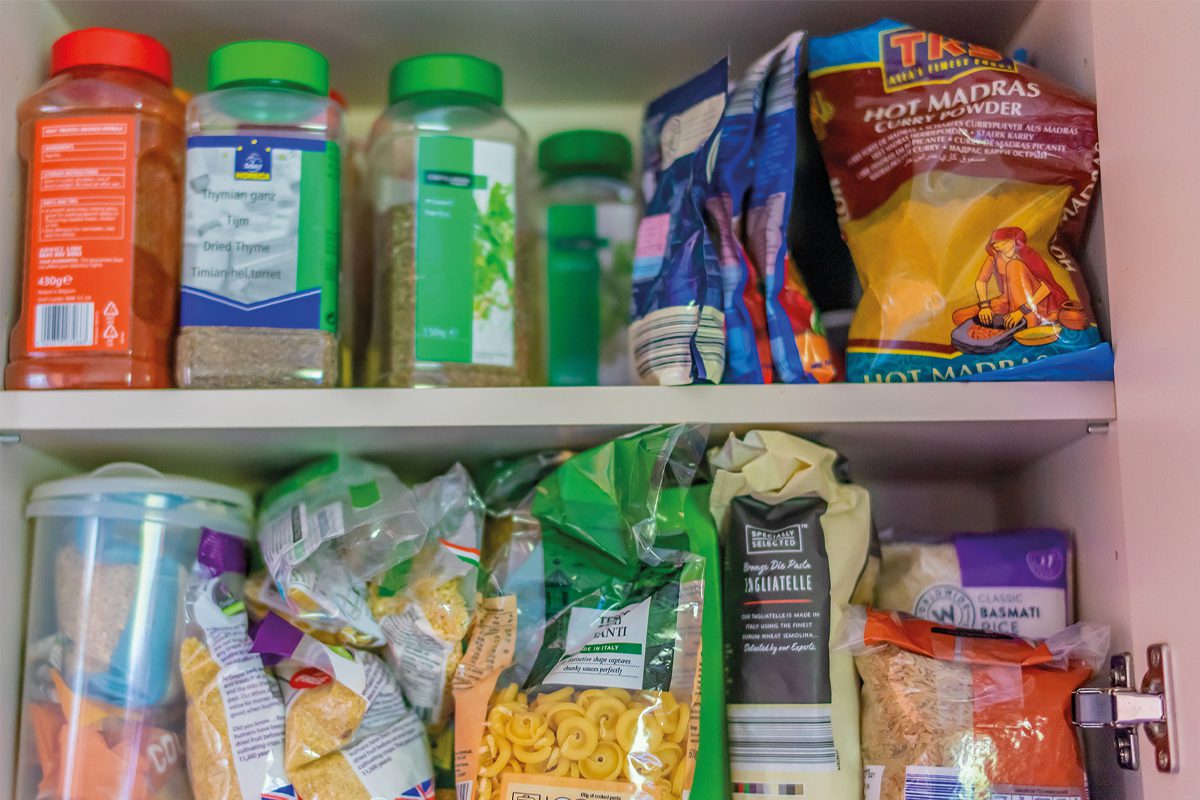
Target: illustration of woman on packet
column 1026, row 288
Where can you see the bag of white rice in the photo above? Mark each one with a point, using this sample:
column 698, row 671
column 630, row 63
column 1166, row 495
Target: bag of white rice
column 1016, row 581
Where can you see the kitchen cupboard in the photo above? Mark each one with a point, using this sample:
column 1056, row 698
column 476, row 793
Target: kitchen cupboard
column 1114, row 462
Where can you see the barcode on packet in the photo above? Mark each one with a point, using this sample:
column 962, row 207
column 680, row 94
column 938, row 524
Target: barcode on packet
column 789, row 739
column 463, row 789
column 328, row 522
column 663, row 339
column 63, row 325
column 934, row 783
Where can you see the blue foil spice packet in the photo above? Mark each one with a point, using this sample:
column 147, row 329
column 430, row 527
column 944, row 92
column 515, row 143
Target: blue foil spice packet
column 677, row 326
column 799, row 351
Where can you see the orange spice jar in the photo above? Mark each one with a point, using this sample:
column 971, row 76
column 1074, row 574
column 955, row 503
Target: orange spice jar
column 102, row 148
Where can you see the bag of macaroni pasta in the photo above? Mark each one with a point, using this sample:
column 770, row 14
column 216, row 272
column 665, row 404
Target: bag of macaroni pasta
column 425, row 604
column 235, row 712
column 328, row 530
column 963, row 182
column 958, row 712
column 797, row 546
column 582, row 671
column 348, row 733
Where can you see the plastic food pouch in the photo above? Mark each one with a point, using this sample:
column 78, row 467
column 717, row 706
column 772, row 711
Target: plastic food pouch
column 349, row 735
column 330, row 528
column 747, row 341
column 797, row 549
column 677, row 328
column 424, row 605
column 1016, row 582
column 963, row 182
column 609, row 702
column 263, row 598
column 235, row 711
column 798, row 348
column 956, row 712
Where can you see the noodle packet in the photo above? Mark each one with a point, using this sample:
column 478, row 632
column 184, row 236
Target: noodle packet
column 799, row 351
column 963, row 181
column 349, row 735
column 797, row 549
column 329, row 529
column 957, row 712
column 677, row 328
column 1017, row 582
column 609, row 701
column 234, row 708
column 424, row 605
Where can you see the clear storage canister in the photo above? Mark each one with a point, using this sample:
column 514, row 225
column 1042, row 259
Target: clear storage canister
column 455, row 298
column 103, row 714
column 588, row 218
column 259, row 299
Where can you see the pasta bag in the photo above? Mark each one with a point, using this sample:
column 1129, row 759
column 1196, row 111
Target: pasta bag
column 349, row 734
column 329, row 529
column 607, row 701
column 424, row 605
column 963, row 181
column 234, row 710
column 958, row 712
column 797, row 549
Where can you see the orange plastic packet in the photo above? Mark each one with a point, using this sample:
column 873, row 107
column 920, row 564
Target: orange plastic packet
column 969, row 713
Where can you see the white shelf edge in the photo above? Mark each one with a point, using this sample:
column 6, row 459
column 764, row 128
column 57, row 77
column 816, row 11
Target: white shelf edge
column 599, row 406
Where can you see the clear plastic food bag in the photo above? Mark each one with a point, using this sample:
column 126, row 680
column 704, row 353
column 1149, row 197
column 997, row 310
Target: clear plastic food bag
column 968, row 713
column 328, row 530
column 235, row 711
column 582, row 669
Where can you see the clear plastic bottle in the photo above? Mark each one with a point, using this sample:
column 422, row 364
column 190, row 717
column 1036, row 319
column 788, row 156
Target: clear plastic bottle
column 588, row 217
column 259, row 297
column 102, row 147
column 455, row 292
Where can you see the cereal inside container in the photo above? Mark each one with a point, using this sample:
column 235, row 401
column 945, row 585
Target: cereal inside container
column 103, row 705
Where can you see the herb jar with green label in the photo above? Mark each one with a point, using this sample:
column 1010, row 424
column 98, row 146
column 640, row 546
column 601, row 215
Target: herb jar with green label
column 455, row 297
column 589, row 221
column 259, row 295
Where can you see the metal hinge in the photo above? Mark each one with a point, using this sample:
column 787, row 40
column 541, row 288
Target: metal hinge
column 1124, row 708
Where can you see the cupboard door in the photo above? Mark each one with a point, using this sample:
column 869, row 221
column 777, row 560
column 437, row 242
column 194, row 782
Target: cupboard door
column 1146, row 67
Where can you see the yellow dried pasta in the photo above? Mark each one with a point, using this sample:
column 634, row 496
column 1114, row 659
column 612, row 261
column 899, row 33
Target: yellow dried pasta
column 593, row 734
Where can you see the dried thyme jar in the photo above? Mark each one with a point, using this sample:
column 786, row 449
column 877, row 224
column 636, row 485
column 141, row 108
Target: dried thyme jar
column 455, row 303
column 259, row 294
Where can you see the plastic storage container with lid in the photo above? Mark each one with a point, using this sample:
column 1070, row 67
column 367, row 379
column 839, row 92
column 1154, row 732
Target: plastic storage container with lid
column 588, row 218
column 259, row 296
column 102, row 147
column 456, row 300
column 103, row 713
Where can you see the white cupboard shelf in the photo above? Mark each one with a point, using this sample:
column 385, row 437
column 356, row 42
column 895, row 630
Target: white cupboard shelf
column 927, row 430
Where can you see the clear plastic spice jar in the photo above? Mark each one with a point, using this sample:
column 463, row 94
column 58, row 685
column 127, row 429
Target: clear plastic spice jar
column 455, row 294
column 259, row 295
column 588, row 216
column 102, row 145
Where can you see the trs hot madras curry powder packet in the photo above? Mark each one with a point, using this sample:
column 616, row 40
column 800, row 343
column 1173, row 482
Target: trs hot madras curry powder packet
column 963, row 181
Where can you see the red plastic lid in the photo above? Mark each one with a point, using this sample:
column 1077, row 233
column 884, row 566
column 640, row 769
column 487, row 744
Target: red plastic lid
column 113, row 48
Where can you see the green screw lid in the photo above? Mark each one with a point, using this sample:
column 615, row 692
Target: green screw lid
column 586, row 151
column 446, row 72
column 268, row 62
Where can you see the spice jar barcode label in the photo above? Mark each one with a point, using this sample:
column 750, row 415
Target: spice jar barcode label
column 465, row 226
column 261, row 233
column 81, row 220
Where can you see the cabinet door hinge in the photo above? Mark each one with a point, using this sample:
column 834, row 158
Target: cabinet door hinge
column 1125, row 707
